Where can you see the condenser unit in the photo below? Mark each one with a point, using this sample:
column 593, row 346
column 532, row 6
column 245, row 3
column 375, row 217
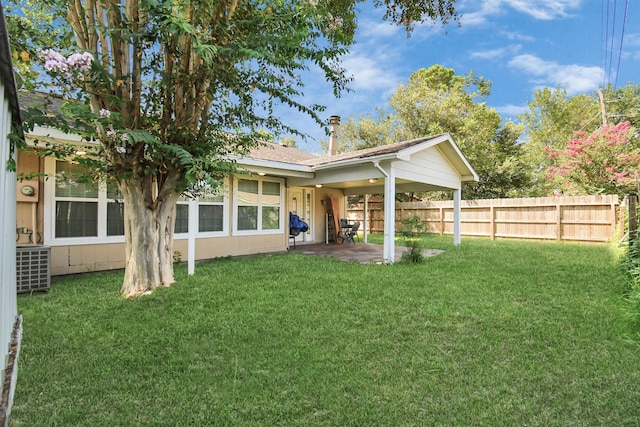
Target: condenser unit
column 32, row 268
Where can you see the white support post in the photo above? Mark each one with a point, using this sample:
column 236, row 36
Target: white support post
column 389, row 217
column 365, row 220
column 191, row 246
column 457, row 199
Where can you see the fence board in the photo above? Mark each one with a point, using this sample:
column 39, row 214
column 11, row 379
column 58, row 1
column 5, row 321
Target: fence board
column 571, row 218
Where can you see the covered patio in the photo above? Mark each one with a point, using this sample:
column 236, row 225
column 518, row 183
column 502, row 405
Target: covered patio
column 421, row 165
column 363, row 253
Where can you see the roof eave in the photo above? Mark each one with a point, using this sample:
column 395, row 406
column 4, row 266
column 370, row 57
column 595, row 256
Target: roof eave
column 275, row 168
column 355, row 161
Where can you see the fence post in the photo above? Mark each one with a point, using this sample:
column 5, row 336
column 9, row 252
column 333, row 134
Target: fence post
column 558, row 222
column 633, row 221
column 492, row 212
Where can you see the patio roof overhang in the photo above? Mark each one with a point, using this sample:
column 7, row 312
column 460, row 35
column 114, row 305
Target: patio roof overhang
column 281, row 169
column 432, row 164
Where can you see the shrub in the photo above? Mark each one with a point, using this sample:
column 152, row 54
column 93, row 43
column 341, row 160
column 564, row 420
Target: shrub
column 411, row 229
column 630, row 263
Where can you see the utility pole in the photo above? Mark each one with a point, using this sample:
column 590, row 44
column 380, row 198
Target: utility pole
column 602, row 108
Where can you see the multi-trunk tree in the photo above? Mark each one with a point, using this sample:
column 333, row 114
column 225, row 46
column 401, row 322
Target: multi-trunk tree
column 171, row 89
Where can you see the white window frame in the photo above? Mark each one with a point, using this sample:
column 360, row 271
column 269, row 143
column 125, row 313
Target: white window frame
column 207, row 234
column 50, row 199
column 281, row 206
column 49, row 237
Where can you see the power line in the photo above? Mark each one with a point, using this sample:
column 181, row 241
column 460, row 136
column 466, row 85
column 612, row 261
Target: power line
column 610, row 17
column 624, row 23
column 604, row 34
column 613, row 34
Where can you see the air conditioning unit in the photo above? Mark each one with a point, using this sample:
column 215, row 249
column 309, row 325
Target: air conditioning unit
column 33, row 268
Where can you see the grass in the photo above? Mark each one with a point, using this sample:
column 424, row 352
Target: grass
column 488, row 333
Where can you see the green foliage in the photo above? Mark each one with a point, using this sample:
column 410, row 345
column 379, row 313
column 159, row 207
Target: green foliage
column 630, row 268
column 554, row 118
column 435, row 101
column 188, row 73
column 550, row 123
column 358, row 133
column 412, row 229
column 623, row 104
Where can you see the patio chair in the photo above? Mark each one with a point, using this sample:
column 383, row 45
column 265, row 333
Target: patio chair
column 353, row 232
column 293, row 232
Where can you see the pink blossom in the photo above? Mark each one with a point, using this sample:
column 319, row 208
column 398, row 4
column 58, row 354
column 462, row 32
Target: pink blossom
column 121, row 150
column 54, row 62
column 111, row 134
column 334, row 22
column 105, row 114
column 80, row 61
column 124, row 137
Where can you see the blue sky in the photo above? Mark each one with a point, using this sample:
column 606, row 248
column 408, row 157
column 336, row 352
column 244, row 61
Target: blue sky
column 519, row 45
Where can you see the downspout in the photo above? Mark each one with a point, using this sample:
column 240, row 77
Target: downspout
column 377, row 165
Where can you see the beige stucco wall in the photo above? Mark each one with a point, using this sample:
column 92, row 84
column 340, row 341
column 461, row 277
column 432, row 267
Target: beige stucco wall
column 72, row 259
column 109, row 256
column 322, row 205
column 29, row 210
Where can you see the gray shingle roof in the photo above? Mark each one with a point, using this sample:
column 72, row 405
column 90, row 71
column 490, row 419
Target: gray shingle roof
column 368, row 152
column 280, row 153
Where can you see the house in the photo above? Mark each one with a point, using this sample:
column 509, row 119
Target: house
column 10, row 320
column 82, row 223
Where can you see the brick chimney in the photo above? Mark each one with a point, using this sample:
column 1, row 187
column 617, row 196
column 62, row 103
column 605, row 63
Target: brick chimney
column 334, row 122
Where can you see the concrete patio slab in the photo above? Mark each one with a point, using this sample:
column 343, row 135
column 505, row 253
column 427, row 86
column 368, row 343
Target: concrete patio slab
column 364, row 253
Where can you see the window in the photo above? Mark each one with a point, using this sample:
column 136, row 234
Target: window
column 211, row 214
column 84, row 207
column 76, row 202
column 258, row 205
column 182, row 217
column 81, row 210
column 115, row 210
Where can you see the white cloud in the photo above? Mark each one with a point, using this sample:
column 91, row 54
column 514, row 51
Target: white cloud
column 495, row 53
column 373, row 70
column 510, row 35
column 477, row 12
column 544, row 9
column 511, row 110
column 575, row 78
column 372, row 29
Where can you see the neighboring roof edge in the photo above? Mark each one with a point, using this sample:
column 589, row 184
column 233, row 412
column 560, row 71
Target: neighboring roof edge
column 6, row 73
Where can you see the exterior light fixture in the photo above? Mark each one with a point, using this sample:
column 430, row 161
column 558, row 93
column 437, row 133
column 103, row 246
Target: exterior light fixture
column 373, row 180
column 261, row 173
column 318, row 185
column 81, row 152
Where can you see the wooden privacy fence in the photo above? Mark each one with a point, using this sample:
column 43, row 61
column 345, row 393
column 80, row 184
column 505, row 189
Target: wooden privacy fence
column 572, row 218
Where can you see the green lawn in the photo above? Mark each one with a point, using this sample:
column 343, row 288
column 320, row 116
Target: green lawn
column 489, row 333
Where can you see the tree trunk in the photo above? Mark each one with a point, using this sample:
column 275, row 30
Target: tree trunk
column 148, row 234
